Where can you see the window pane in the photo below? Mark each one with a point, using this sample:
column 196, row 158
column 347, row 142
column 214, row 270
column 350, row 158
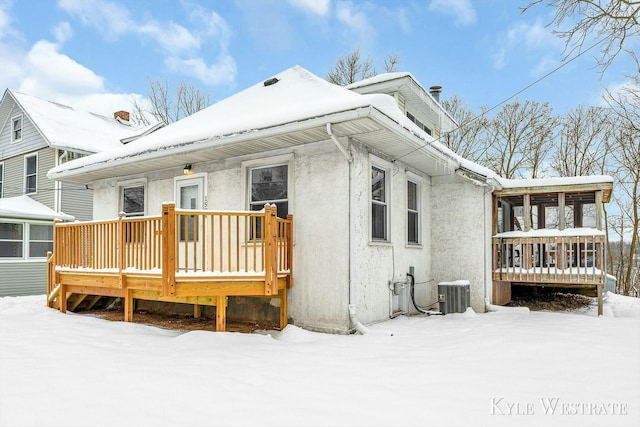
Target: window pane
column 40, row 232
column 377, row 184
column 378, row 221
column 133, row 200
column 269, row 183
column 10, row 231
column 31, row 165
column 589, row 215
column 412, row 227
column 30, row 186
column 10, row 249
column 40, row 249
column 412, row 196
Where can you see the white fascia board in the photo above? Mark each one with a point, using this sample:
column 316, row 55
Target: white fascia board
column 212, row 142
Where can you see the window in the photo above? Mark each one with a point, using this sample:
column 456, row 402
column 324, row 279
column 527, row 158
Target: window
column 14, row 235
column 31, row 174
column 269, row 184
column 11, row 240
column 418, row 123
column 379, row 199
column 412, row 213
column 133, row 200
column 16, row 129
column 1, row 179
column 40, row 240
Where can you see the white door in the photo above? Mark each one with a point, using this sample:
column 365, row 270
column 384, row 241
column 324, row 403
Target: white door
column 190, row 195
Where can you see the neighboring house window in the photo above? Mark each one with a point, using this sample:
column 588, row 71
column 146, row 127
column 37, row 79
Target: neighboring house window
column 16, row 129
column 133, row 200
column 1, row 179
column 16, row 236
column 40, row 240
column 11, row 240
column 31, row 174
column 269, row 184
column 379, row 203
column 413, row 214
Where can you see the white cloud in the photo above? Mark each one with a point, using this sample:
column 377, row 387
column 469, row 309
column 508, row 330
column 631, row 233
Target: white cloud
column 62, row 32
column 181, row 44
column 356, row 20
column 462, row 10
column 49, row 73
column 318, row 7
column 222, row 72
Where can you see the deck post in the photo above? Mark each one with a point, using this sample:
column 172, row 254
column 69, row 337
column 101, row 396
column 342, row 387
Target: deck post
column 221, row 313
column 120, row 245
column 128, row 306
column 63, row 298
column 290, row 250
column 599, row 287
column 270, row 247
column 197, row 310
column 284, row 307
column 169, row 246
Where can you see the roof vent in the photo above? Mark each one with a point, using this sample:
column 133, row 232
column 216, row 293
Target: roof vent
column 271, row 81
column 435, row 91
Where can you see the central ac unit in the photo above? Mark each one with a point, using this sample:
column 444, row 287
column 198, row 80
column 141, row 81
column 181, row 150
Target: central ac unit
column 454, row 297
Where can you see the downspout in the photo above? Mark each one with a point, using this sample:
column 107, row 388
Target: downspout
column 357, row 325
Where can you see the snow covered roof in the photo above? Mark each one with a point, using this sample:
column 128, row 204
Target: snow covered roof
column 24, row 207
column 67, row 128
column 294, row 108
column 380, row 78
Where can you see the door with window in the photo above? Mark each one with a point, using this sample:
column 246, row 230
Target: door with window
column 190, row 195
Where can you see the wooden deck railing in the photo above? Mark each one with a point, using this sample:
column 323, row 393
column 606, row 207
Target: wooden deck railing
column 180, row 242
column 550, row 260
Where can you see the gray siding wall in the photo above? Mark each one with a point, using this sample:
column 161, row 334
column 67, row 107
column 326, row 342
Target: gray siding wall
column 23, row 278
column 76, row 200
column 32, row 140
column 14, row 176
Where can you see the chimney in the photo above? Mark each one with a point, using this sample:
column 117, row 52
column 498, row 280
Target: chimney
column 122, row 115
column 435, row 91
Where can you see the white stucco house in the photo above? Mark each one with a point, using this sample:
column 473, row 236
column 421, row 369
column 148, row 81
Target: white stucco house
column 373, row 194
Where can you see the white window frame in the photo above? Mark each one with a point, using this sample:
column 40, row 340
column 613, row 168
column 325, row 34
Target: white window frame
column 130, row 184
column 28, row 156
column 375, row 162
column 26, row 241
column 249, row 165
column 13, row 128
column 417, row 211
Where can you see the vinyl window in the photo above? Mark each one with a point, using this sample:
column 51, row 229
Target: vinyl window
column 379, row 204
column 31, row 174
column 413, row 214
column 16, row 129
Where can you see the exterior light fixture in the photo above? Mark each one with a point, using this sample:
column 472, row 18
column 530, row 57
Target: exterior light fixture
column 187, row 169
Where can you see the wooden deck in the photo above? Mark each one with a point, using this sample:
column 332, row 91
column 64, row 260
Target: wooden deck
column 182, row 256
column 554, row 261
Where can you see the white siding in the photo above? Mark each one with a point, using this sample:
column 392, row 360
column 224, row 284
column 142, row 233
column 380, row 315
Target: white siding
column 460, row 214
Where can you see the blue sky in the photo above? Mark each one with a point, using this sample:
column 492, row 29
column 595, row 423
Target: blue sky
column 98, row 54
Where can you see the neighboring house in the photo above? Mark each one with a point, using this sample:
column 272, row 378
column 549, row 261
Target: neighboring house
column 373, row 196
column 35, row 136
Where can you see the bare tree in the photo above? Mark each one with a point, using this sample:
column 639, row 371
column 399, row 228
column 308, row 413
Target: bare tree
column 167, row 107
column 466, row 139
column 614, row 23
column 582, row 142
column 352, row 68
column 626, row 152
column 519, row 139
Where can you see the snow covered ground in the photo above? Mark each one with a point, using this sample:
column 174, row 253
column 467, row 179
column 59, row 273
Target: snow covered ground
column 504, row 368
